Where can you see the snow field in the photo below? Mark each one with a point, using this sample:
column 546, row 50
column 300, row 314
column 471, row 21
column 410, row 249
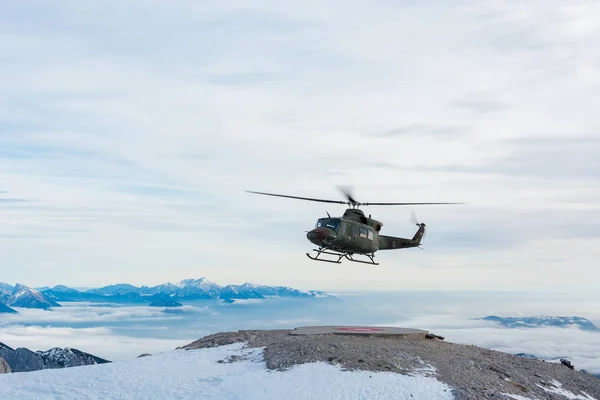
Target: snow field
column 198, row 374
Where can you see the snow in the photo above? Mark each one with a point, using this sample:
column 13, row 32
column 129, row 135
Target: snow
column 516, row 396
column 195, row 374
column 57, row 355
column 200, row 283
column 558, row 389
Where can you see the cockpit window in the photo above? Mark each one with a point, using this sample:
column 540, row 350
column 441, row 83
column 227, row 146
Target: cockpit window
column 331, row 223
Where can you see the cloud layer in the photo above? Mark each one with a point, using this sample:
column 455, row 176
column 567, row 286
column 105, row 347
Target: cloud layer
column 128, row 133
column 580, row 347
column 114, row 333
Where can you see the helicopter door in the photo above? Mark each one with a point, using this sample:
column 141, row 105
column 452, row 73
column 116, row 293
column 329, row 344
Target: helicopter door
column 343, row 228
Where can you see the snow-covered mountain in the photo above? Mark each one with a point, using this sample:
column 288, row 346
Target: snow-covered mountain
column 231, row 292
column 27, row 297
column 119, row 288
column 68, row 357
column 281, row 291
column 6, row 288
column 60, row 288
column 543, row 321
column 187, row 289
column 25, row 360
column 201, row 284
column 5, row 292
column 165, row 288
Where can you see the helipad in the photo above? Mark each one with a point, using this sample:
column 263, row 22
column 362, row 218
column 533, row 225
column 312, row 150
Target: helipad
column 401, row 333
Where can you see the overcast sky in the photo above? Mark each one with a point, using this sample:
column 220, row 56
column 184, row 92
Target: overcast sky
column 130, row 130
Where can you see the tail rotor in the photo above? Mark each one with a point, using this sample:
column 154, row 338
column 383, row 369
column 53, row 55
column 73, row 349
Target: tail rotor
column 414, row 220
column 419, row 236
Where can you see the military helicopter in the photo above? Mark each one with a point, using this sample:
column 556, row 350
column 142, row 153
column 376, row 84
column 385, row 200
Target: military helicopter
column 353, row 233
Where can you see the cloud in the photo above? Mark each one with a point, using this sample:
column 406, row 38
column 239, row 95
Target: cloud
column 9, row 200
column 72, row 313
column 547, row 343
column 115, row 333
column 134, row 138
column 101, row 342
column 547, row 157
column 425, row 129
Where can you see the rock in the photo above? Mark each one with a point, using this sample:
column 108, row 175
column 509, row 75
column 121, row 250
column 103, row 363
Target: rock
column 432, row 336
column 4, row 367
column 144, row 355
column 567, row 363
column 22, row 359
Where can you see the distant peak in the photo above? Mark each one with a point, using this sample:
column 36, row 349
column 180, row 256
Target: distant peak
column 202, row 281
column 194, row 280
column 20, row 288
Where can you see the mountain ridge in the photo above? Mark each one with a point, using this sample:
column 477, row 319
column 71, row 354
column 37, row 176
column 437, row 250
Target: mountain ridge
column 24, row 360
column 543, row 321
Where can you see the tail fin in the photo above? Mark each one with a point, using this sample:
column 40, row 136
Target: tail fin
column 419, row 235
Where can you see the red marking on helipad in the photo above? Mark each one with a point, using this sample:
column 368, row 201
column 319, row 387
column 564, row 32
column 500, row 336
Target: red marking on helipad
column 360, row 329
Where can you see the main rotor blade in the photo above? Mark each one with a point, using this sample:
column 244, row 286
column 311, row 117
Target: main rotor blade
column 297, row 197
column 347, row 192
column 403, row 204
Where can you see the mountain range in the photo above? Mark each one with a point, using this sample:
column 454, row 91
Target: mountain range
column 544, row 321
column 170, row 294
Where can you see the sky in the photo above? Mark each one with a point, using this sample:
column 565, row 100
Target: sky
column 129, row 132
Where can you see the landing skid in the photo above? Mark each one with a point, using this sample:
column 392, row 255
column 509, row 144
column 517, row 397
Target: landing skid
column 371, row 256
column 339, row 256
column 321, row 251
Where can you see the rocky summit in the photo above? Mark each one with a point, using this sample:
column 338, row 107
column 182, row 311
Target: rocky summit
column 472, row 372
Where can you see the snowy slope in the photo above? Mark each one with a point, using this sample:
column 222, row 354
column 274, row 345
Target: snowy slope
column 209, row 374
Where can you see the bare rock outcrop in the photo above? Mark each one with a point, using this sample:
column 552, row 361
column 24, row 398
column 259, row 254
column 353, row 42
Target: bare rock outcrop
column 473, row 372
column 4, row 367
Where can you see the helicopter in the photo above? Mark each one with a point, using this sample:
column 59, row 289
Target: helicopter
column 354, row 234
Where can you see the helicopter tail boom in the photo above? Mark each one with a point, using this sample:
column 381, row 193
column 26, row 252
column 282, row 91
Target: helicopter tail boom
column 393, row 243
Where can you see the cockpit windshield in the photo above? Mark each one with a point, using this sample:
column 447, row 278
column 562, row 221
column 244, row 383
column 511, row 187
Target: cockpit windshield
column 331, row 223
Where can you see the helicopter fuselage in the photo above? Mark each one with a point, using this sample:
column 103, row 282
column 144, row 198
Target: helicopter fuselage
column 345, row 235
column 354, row 233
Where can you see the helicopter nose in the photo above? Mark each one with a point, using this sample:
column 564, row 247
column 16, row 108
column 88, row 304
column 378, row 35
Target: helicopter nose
column 317, row 235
